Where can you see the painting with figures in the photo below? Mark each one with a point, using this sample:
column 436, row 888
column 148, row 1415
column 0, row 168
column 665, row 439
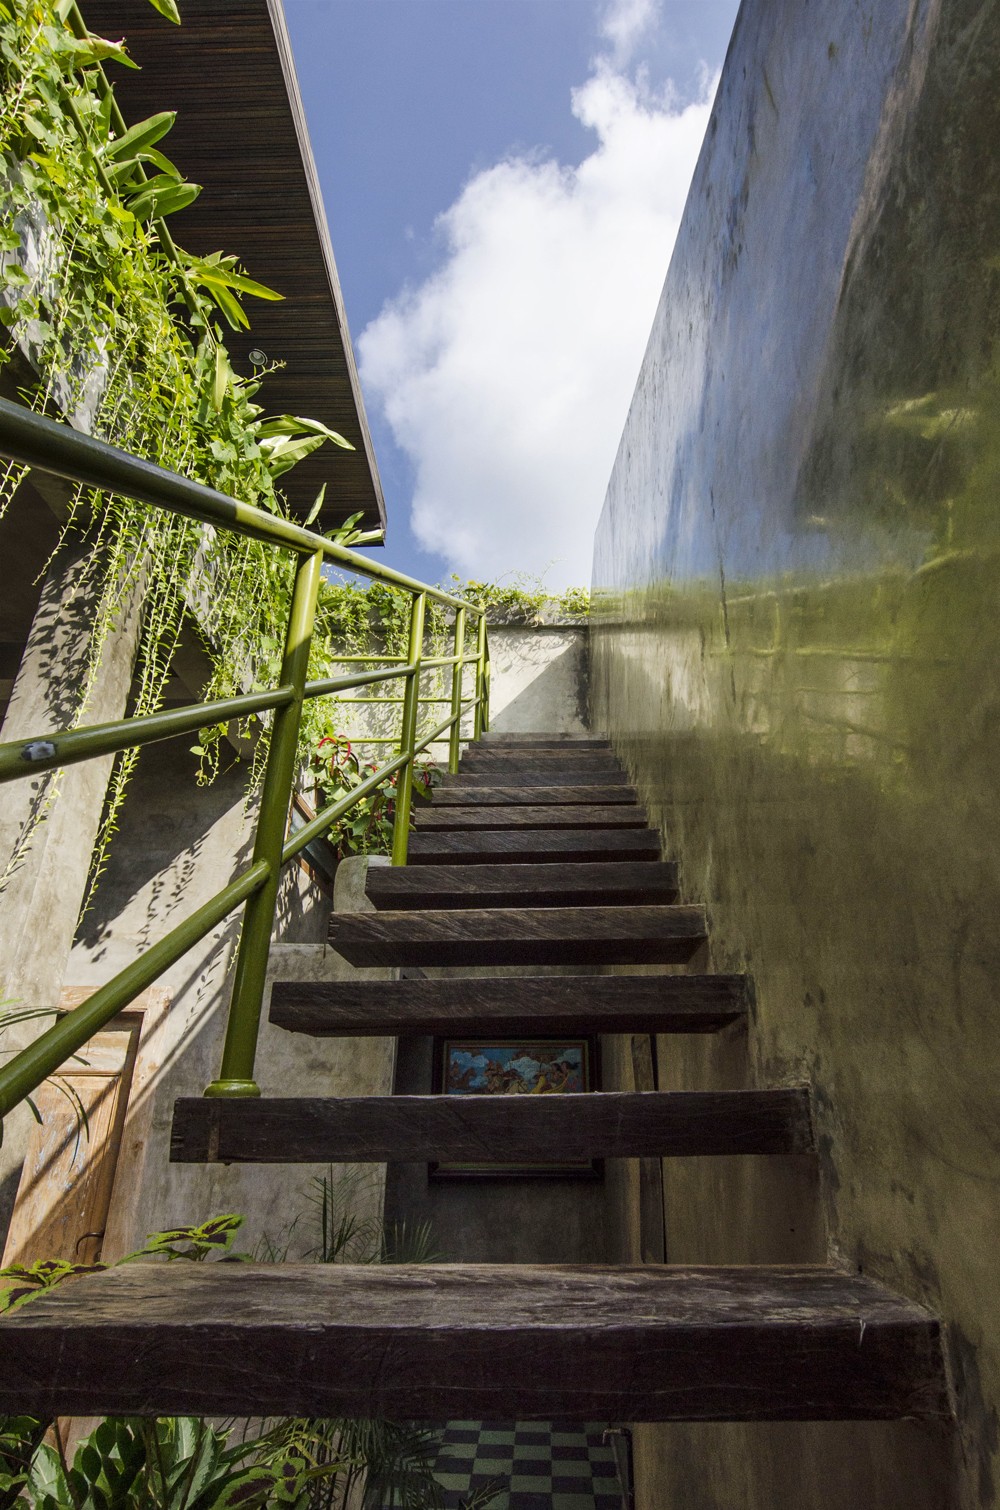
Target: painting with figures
column 515, row 1067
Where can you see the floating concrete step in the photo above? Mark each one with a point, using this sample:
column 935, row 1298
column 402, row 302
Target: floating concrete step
column 533, row 846
column 469, row 795
column 520, row 936
column 489, row 1341
column 553, row 885
column 514, row 815
column 533, row 1005
column 529, row 1129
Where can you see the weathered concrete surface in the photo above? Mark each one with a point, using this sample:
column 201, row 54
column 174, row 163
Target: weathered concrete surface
column 798, row 655
column 178, row 844
column 539, row 683
column 539, row 679
column 48, row 823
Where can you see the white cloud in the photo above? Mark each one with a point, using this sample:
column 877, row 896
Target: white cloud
column 506, row 375
column 624, row 24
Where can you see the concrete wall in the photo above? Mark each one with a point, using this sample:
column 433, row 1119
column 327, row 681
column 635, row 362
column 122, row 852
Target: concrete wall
column 797, row 652
column 539, row 679
column 539, row 682
column 49, row 822
column 178, row 844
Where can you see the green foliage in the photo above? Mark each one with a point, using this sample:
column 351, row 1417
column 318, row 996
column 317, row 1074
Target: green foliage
column 20, row 1437
column 20, row 1283
column 211, row 1239
column 522, row 600
column 92, row 288
column 366, row 828
column 172, row 1463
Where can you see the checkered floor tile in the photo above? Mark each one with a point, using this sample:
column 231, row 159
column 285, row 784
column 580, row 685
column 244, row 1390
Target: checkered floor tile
column 531, row 1465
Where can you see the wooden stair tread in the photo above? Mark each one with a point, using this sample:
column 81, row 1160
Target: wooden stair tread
column 511, row 767
column 489, row 1341
column 542, row 741
column 487, row 776
column 525, row 846
column 540, row 1129
column 570, row 750
column 514, row 815
column 665, row 934
column 622, row 882
column 593, row 795
column 528, row 1005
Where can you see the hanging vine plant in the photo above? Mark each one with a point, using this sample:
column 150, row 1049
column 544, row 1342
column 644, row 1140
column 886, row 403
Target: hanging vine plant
column 126, row 335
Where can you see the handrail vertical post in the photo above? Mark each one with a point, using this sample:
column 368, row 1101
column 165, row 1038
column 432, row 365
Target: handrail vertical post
column 237, row 1074
column 456, row 691
column 482, row 687
column 408, row 732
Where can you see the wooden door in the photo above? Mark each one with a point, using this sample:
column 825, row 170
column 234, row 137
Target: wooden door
column 64, row 1194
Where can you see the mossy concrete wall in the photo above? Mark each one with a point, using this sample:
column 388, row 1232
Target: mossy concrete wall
column 797, row 652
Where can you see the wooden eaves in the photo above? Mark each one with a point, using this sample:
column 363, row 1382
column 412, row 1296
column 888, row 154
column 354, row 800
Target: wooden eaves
column 241, row 134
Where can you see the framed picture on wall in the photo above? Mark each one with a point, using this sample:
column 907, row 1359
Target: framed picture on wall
column 515, row 1067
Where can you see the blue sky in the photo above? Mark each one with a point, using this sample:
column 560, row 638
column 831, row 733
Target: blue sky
column 503, row 180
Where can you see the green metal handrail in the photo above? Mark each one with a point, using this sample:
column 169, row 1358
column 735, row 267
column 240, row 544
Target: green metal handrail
column 40, row 443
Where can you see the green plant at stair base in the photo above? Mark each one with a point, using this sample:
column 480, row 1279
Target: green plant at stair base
column 184, row 1463
column 165, row 1463
column 367, row 829
column 21, row 1283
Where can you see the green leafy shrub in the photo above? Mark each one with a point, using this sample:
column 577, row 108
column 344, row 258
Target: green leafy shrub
column 366, row 829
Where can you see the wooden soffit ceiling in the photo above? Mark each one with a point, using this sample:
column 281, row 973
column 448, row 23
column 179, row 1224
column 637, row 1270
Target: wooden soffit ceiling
column 241, row 134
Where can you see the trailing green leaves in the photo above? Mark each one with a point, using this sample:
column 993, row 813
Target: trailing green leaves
column 95, row 305
column 221, row 279
column 288, row 439
column 20, row 1283
column 167, row 8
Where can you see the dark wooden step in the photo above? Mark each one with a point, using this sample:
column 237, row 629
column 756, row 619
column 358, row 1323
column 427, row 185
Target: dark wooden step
column 531, row 1005
column 520, row 936
column 486, row 776
column 542, row 741
column 469, row 795
column 487, row 1341
column 539, row 760
column 513, row 815
column 543, row 1129
column 621, row 883
column 534, row 846
column 486, row 750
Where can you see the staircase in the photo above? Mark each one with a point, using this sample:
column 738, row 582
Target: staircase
column 536, row 854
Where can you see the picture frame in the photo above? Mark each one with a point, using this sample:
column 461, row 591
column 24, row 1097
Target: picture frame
column 543, row 1065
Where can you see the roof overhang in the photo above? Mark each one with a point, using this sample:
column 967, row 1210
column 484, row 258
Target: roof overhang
column 241, row 134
